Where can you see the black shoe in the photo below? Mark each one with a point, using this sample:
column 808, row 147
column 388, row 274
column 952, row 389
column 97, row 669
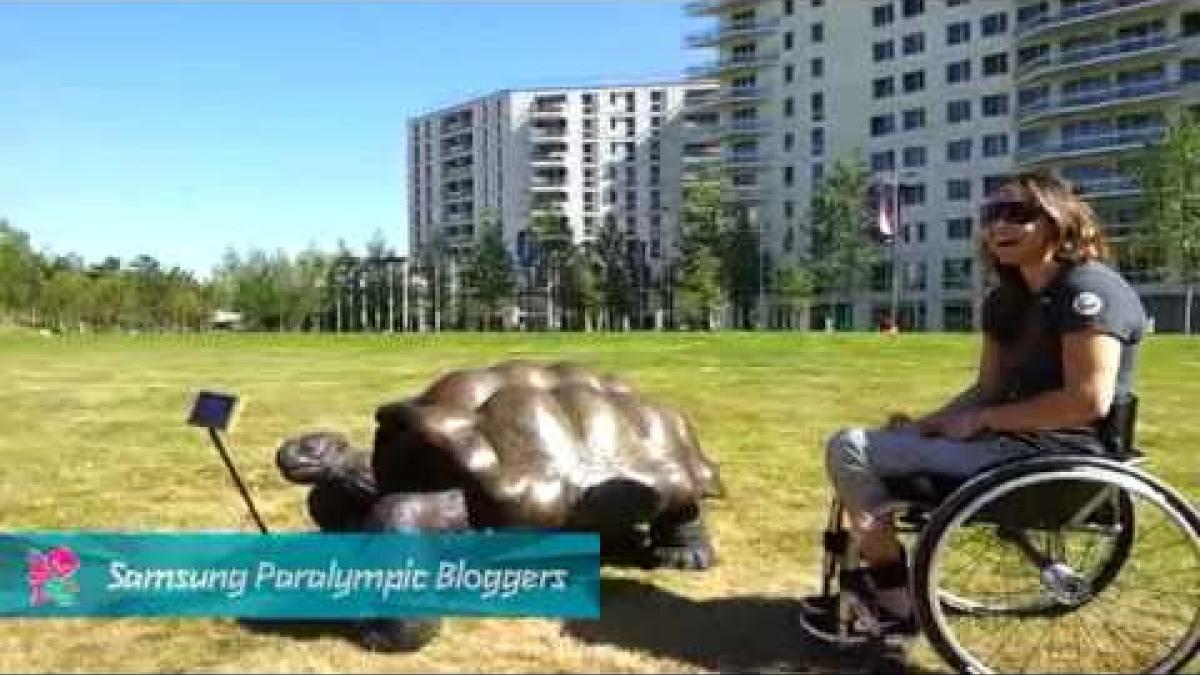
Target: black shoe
column 818, row 616
column 878, row 622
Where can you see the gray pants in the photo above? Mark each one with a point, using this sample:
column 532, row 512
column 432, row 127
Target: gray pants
column 859, row 460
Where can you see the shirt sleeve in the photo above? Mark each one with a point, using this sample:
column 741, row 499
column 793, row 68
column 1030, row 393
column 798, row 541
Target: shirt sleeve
column 1099, row 304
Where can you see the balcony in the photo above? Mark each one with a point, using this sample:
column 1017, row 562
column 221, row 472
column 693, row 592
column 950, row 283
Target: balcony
column 1091, row 100
column 547, row 133
column 734, row 31
column 455, row 150
column 1106, row 187
column 742, row 128
column 1080, row 146
column 1097, row 55
column 457, row 195
column 733, row 64
column 1099, row 9
column 536, row 183
column 548, row 158
column 458, row 172
column 548, row 110
column 740, row 160
column 456, row 127
column 703, row 7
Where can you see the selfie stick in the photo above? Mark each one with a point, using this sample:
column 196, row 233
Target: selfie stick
column 214, row 411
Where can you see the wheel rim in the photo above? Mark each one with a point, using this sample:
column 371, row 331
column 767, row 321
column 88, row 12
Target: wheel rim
column 1002, row 613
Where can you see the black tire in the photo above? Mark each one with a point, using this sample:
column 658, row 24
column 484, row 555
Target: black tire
column 1098, row 577
column 950, row 516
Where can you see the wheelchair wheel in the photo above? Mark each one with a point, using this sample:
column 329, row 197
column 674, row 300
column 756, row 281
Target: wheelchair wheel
column 1028, row 599
column 1094, row 549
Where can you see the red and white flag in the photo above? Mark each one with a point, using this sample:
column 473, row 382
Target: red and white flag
column 889, row 209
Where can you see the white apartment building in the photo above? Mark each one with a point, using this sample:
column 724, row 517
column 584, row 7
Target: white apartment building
column 595, row 155
column 944, row 97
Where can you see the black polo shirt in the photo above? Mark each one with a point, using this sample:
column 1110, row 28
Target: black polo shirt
column 1029, row 326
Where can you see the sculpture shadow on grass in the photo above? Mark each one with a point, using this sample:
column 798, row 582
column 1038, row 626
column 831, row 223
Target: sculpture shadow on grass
column 745, row 633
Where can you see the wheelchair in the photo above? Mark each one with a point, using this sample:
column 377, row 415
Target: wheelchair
column 1060, row 562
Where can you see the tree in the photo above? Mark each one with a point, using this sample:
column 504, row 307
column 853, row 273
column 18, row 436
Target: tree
column 581, row 283
column 795, row 287
column 555, row 243
column 741, row 267
column 490, row 272
column 842, row 249
column 19, row 272
column 703, row 225
column 1169, row 174
column 611, row 250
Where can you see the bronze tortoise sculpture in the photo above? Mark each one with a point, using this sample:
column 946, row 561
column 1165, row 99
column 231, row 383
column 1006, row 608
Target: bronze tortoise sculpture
column 519, row 444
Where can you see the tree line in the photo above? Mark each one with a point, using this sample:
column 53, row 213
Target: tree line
column 714, row 274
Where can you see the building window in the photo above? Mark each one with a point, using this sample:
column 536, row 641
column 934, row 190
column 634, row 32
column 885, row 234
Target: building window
column 995, row 145
column 914, row 43
column 958, row 229
column 958, row 32
column 883, row 124
column 882, row 15
column 883, row 161
column 958, row 150
column 817, row 136
column 789, row 209
column 915, row 157
column 789, row 107
column 959, row 71
column 816, row 3
column 911, row 8
column 914, row 118
column 912, row 194
column 994, row 24
column 956, row 273
column 1189, row 24
column 789, row 176
column 995, row 64
column 789, row 142
column 914, row 81
column 816, row 67
column 788, row 41
column 883, row 87
column 884, row 51
column 818, row 174
column 817, row 104
column 958, row 315
column 1189, row 70
column 958, row 111
column 958, row 190
column 995, row 105
column 817, row 33
column 789, row 7
column 789, row 73
column 992, row 183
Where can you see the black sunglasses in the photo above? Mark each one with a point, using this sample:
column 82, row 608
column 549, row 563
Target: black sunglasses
column 1009, row 212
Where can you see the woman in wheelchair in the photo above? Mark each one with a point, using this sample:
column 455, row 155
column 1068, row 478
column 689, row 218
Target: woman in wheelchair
column 1060, row 337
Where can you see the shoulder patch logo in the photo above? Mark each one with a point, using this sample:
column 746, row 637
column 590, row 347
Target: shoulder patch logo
column 1087, row 303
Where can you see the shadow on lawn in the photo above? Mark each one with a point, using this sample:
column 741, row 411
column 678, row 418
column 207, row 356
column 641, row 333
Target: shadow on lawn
column 747, row 633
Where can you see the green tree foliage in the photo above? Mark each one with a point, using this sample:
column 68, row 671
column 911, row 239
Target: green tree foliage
column 702, row 238
column 1169, row 174
column 843, row 250
column 795, row 288
column 489, row 270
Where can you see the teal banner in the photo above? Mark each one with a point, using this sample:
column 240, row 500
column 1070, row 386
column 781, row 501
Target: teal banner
column 299, row 575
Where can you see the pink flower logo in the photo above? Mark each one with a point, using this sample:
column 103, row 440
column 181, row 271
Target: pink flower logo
column 50, row 577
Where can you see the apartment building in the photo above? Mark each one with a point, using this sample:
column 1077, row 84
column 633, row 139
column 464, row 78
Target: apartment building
column 593, row 156
column 942, row 98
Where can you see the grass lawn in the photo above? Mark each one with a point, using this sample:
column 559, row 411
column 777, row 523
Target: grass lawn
column 92, row 436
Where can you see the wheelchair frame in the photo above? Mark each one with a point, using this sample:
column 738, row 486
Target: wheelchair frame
column 1067, row 590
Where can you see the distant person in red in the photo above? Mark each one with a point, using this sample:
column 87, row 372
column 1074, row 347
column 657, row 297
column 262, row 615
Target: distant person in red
column 887, row 325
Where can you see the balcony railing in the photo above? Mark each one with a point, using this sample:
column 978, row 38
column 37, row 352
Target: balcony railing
column 733, row 30
column 456, row 127
column 740, row 159
column 457, row 195
column 548, row 157
column 742, row 127
column 1085, row 144
column 547, row 133
column 458, row 172
column 701, row 7
column 544, row 110
column 1067, row 102
column 1117, row 48
column 1110, row 186
column 1079, row 13
column 547, row 183
column 456, row 149
column 733, row 63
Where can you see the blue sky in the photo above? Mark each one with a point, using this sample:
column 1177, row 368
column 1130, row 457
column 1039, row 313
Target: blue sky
column 180, row 129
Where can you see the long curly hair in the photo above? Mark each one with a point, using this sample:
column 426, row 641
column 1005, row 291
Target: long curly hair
column 1075, row 230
